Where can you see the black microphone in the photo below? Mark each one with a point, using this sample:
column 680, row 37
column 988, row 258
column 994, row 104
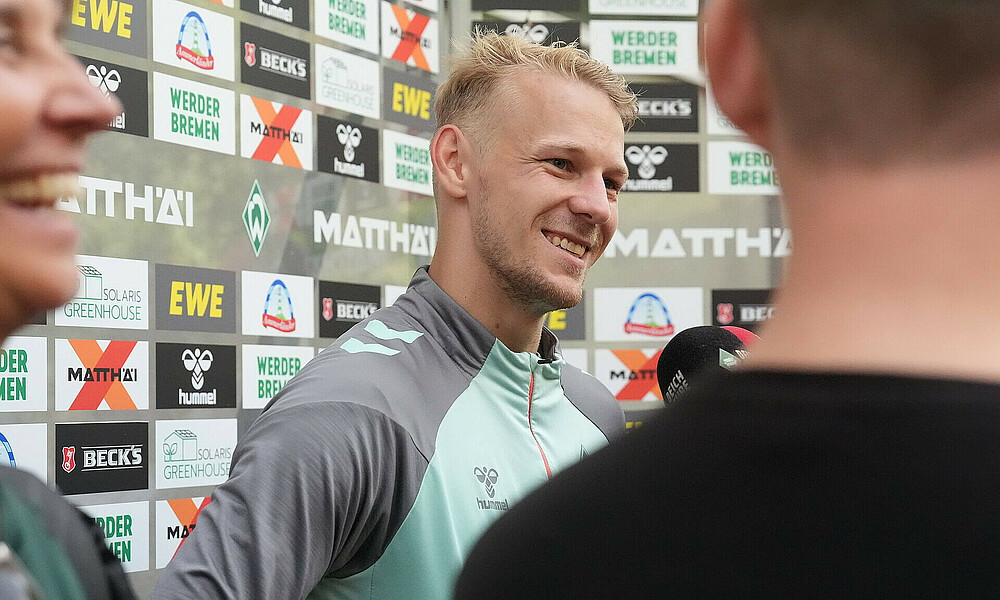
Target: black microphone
column 698, row 352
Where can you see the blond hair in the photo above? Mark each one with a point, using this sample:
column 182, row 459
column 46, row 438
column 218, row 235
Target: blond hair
column 486, row 58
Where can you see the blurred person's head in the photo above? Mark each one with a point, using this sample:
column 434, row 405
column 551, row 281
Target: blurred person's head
column 528, row 162
column 864, row 83
column 47, row 110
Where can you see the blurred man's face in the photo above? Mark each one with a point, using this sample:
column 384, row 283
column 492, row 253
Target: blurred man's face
column 544, row 203
column 47, row 110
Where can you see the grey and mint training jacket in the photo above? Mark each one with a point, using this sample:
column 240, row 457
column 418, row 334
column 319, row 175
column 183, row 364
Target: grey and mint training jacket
column 374, row 471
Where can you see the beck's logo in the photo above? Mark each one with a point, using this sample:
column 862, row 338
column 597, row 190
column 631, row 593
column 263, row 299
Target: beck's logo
column 640, row 371
column 409, row 32
column 103, row 79
column 197, row 362
column 278, row 311
column 69, row 458
column 724, row 313
column 327, row 309
column 250, row 53
column 646, row 158
column 193, row 44
column 103, row 374
column 649, row 316
column 103, row 458
column 349, row 137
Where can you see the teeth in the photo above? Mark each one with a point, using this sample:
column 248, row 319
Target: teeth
column 41, row 190
column 567, row 245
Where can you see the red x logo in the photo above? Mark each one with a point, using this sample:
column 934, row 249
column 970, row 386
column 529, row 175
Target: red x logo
column 282, row 120
column 645, row 370
column 187, row 513
column 409, row 46
column 104, row 386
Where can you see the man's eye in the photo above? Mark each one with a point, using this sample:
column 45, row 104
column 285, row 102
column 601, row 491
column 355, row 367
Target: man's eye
column 560, row 163
column 611, row 184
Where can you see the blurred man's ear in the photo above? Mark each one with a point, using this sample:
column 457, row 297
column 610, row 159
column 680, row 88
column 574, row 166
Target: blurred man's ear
column 735, row 62
column 450, row 168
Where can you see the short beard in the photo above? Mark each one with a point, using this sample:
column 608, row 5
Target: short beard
column 520, row 280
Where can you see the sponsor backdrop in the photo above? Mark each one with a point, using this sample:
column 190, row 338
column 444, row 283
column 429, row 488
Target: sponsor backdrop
column 268, row 184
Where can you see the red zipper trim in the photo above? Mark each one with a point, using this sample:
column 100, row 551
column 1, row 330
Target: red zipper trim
column 531, row 392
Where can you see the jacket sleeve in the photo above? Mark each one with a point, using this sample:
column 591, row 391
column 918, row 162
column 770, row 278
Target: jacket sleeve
column 309, row 494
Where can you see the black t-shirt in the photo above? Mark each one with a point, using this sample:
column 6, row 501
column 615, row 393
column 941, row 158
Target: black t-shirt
column 770, row 484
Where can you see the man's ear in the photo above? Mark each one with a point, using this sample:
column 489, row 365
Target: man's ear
column 737, row 70
column 448, row 153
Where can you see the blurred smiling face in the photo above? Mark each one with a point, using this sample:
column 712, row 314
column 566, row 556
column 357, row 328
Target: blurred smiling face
column 47, row 110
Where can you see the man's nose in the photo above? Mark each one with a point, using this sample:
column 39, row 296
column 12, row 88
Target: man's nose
column 75, row 105
column 590, row 199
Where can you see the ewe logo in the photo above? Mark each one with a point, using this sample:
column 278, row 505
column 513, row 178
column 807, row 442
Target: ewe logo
column 649, row 316
column 193, row 44
column 646, row 158
column 278, row 311
column 112, row 24
column 256, row 218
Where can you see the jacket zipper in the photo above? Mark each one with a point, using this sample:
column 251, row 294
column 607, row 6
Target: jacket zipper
column 545, row 460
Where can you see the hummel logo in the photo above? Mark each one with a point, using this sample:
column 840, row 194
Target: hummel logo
column 488, row 477
column 350, row 137
column 104, row 80
column 197, row 362
column 536, row 34
column 646, row 158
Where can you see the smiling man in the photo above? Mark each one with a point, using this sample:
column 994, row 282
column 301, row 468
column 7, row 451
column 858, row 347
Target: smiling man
column 373, row 472
column 48, row 110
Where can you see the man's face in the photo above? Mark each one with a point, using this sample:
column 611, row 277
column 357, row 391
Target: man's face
column 544, row 197
column 47, row 110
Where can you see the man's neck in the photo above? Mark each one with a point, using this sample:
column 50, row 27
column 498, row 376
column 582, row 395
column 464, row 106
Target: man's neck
column 891, row 271
column 518, row 327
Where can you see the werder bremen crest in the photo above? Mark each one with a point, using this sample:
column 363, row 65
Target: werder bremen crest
column 256, row 218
